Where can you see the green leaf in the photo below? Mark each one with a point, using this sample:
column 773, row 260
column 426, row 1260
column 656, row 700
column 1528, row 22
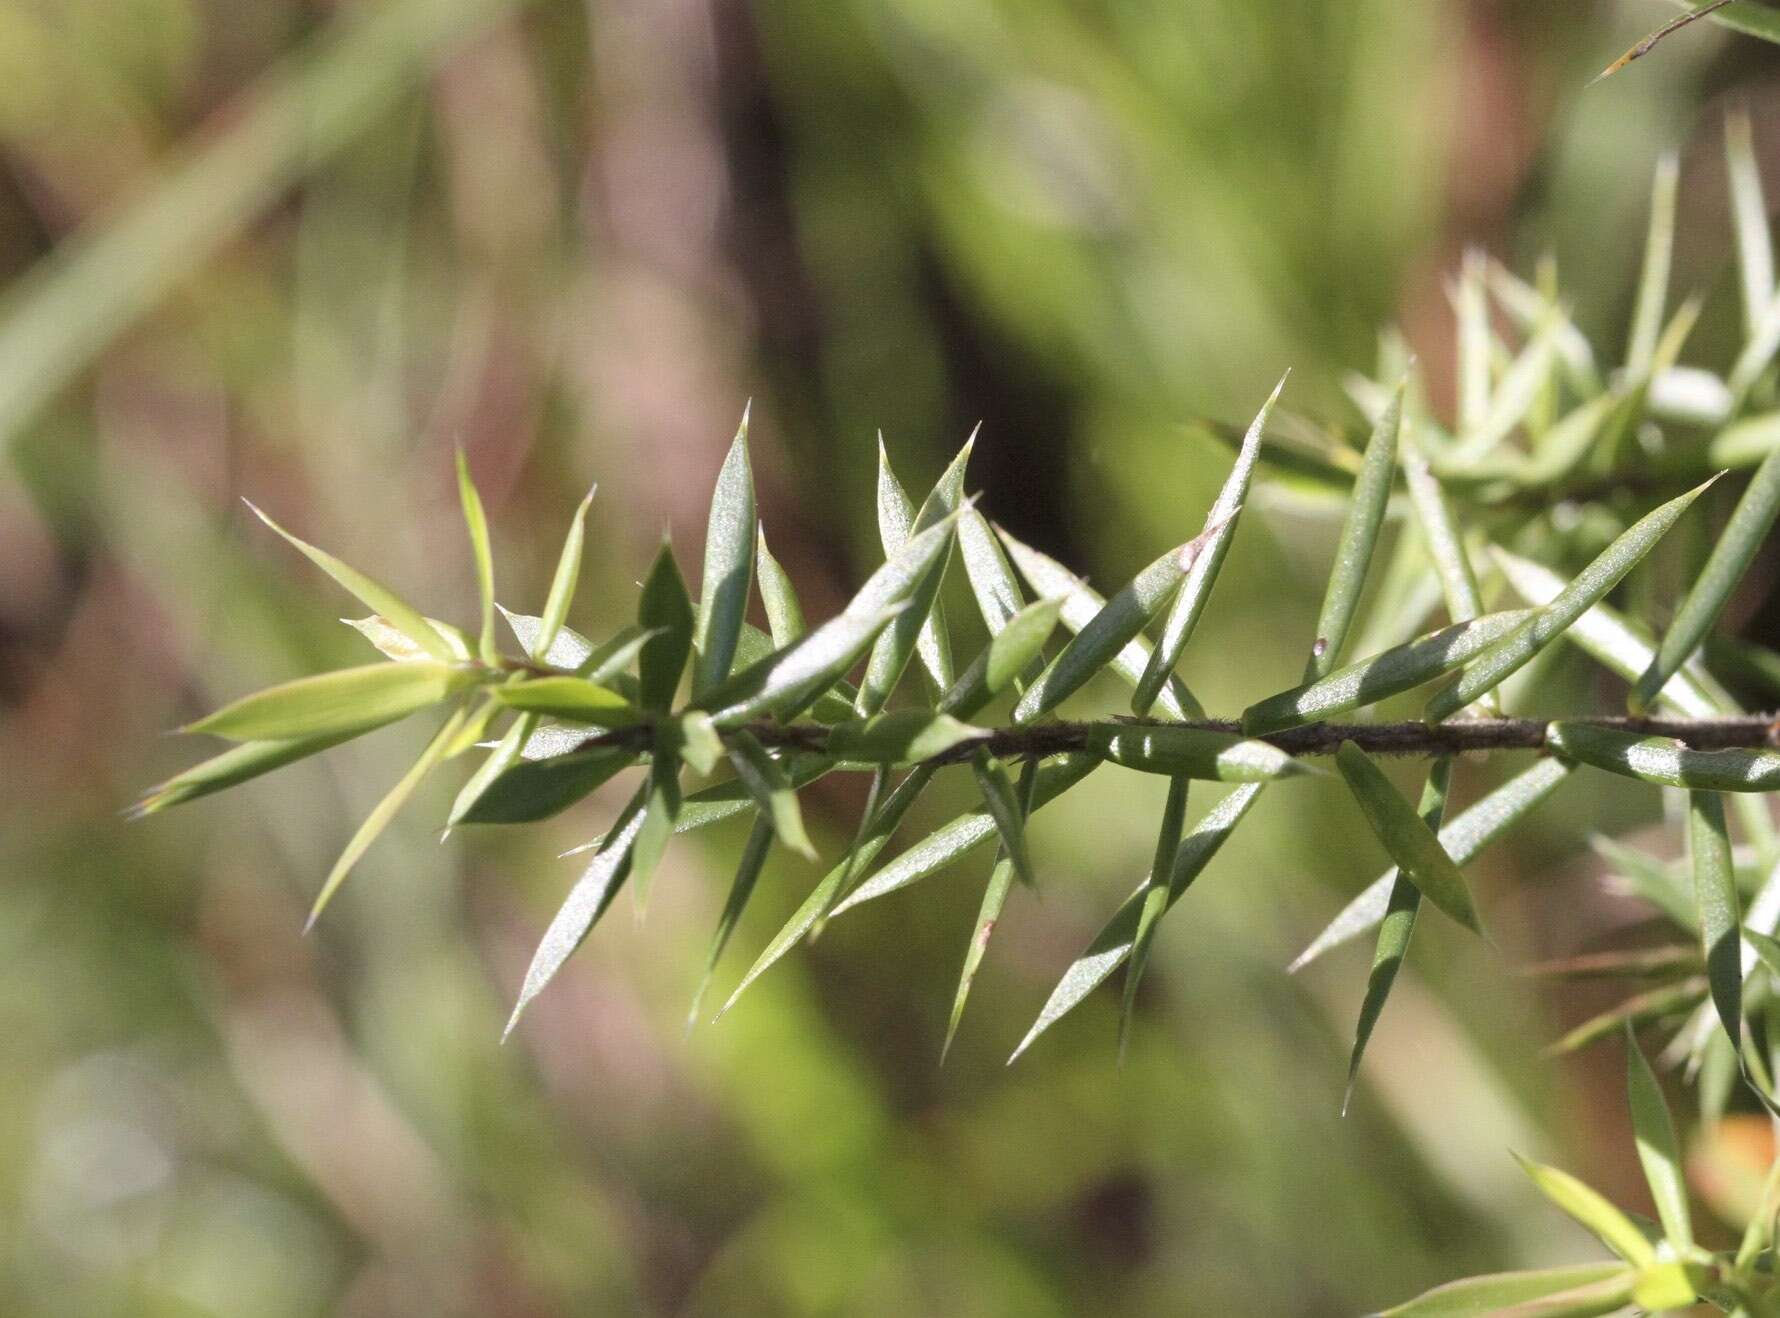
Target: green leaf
column 1003, row 804
column 379, row 599
column 666, row 610
column 920, row 629
column 236, row 765
column 1195, row 589
column 1508, row 655
column 1665, row 762
column 1013, row 649
column 1664, row 1286
column 394, row 643
column 476, row 521
column 505, row 754
column 659, row 815
column 1359, row 536
column 1653, row 284
column 1475, row 340
column 573, row 698
column 531, row 790
column 1113, row 943
column 562, row 585
column 1001, row 879
column 568, row 649
column 784, row 615
column 346, row 700
column 1396, row 930
column 1462, row 839
column 1399, row 669
column 1154, row 896
column 1446, row 544
column 1755, row 358
column 1489, row 1295
column 1650, row 879
column 1732, row 551
column 1644, row 1008
column 1767, row 948
column 741, row 888
column 1512, row 399
column 1420, row 857
column 1721, row 919
column 1192, row 753
column 991, row 578
column 768, row 784
column 695, row 739
column 1081, row 605
column 379, row 818
column 729, row 564
column 903, row 736
column 1658, row 1149
column 1614, row 1229
column 1749, row 218
column 586, row 902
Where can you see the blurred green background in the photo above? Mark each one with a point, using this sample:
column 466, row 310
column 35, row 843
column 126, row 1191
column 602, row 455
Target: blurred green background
column 298, row 251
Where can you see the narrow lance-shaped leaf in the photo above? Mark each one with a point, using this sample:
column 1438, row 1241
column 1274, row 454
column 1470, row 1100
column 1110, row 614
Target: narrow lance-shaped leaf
column 1754, row 359
column 1154, row 901
column 784, row 614
column 567, row 649
column 1001, row 877
column 1749, row 215
column 741, row 888
column 1012, row 654
column 1664, row 761
column 1359, row 536
column 991, row 577
column 666, row 610
column 1499, row 1292
column 1412, row 844
column 394, row 643
column 1614, row 1228
column 530, row 790
column 505, row 754
column 1189, row 752
column 1396, row 930
column 563, row 583
column 1195, row 589
column 1721, row 920
column 1081, row 605
column 1508, row 655
column 659, row 814
column 1446, row 545
column 902, row 736
column 386, row 809
column 1732, row 552
column 729, row 565
column 1462, row 839
column 1401, row 668
column 586, row 902
column 1647, row 1008
column 345, row 700
column 1653, row 285
column 1658, row 1149
column 476, row 522
column 1113, row 943
column 766, row 781
column 1003, row 804
column 236, row 765
column 574, row 698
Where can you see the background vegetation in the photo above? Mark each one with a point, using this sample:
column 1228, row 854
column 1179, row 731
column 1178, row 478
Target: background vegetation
column 249, row 255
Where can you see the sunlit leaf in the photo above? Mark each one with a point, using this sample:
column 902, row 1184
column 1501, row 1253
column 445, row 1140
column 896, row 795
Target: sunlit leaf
column 1490, row 1295
column 1154, row 903
column 784, row 615
column 665, row 609
column 1653, row 283
column 1001, row 879
column 1664, row 761
column 900, row 737
column 1614, row 1228
column 1749, row 218
column 1003, row 805
column 568, row 649
column 991, row 578
column 236, row 765
column 1446, row 545
column 394, row 643
column 729, row 566
column 1658, row 1149
column 767, row 782
column 573, row 698
column 345, row 700
column 476, row 522
column 1359, row 536
column 562, row 585
column 1412, row 844
column 1721, row 916
column 1188, row 752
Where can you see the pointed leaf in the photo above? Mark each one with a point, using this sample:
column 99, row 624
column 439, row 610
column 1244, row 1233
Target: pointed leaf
column 784, row 615
column 476, row 521
column 991, row 578
column 1653, row 285
column 505, row 754
column 1359, row 536
column 394, row 643
column 1001, row 879
column 1614, row 1229
column 729, row 565
column 1665, row 762
column 1646, row 1008
column 1446, row 545
column 1154, row 901
column 1721, row 919
column 562, row 585
column 1749, row 216
column 573, row 698
column 530, row 790
column 659, row 816
column 345, row 700
column 568, row 649
column 1489, row 1295
column 1420, row 857
column 665, row 609
column 1013, row 650
column 1658, row 1148
column 1192, row 753
column 236, row 765
column 767, row 784
column 741, row 888
column 1003, row 804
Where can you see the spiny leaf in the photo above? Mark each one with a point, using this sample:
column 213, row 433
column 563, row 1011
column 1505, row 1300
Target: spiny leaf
column 741, row 888
column 900, row 737
column 586, row 902
column 394, row 643
column 379, row 599
column 659, row 814
column 345, row 700
column 573, row 698
column 1192, row 753
column 1420, row 857
column 1508, row 655
column 1154, row 901
column 1494, row 1293
column 1721, row 919
column 537, row 789
column 386, row 809
column 729, row 564
column 1658, row 1149
column 476, row 522
column 1446, row 545
column 1399, row 669
column 1614, row 1229
column 666, row 610
column 505, row 754
column 1359, row 535
column 784, row 615
column 767, row 783
column 1645, row 1008
column 1664, row 761
column 1113, row 943
column 1001, row 879
column 1081, row 605
column 1462, row 839
column 1749, row 216
column 1021, row 639
column 991, row 578
column 562, row 585
column 1732, row 552
column 1195, row 589
column 1003, row 804
column 236, row 765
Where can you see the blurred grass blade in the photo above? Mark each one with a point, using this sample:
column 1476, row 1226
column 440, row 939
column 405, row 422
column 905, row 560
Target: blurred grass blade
column 1192, row 753
column 1412, row 844
column 1666, row 762
column 531, row 790
column 1396, row 930
column 586, row 902
column 1113, row 943
column 1614, row 1229
column 741, row 888
column 476, row 522
column 1081, row 605
column 991, row 577
column 1646, row 1008
column 1500, row 1292
column 573, row 698
column 394, row 643
column 96, row 284
column 1755, row 358
column 379, row 818
column 380, row 600
column 1721, row 918
column 767, row 784
column 1513, row 399
column 729, row 566
column 1511, row 653
column 345, row 700
column 1003, row 805
column 1359, row 536
column 784, row 615
column 1658, row 1149
column 666, row 610
column 562, row 584
column 1650, row 879
column 236, row 765
column 1475, row 341
column 1732, row 551
column 902, row 736
column 1749, row 216
column 1462, row 839
column 1628, row 963
column 1446, row 546
column 1154, row 895
column 1653, row 284
column 1195, row 589
column 1767, row 949
column 1396, row 670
